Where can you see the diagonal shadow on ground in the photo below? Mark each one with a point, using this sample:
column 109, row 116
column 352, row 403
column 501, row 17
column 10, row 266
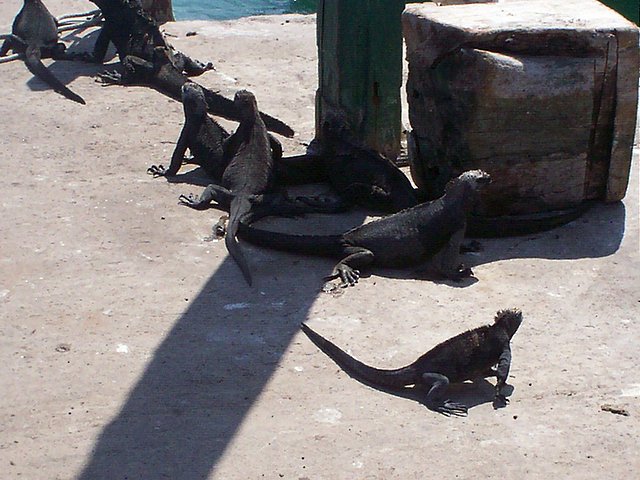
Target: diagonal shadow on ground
column 206, row 374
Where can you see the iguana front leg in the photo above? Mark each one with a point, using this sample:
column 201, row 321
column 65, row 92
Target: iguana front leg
column 502, row 373
column 447, row 260
column 135, row 71
column 276, row 148
column 101, row 46
column 437, row 385
column 190, row 66
column 348, row 268
column 177, row 158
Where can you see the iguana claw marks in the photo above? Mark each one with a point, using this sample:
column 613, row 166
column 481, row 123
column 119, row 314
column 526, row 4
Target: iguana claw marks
column 430, row 231
column 35, row 36
column 466, row 356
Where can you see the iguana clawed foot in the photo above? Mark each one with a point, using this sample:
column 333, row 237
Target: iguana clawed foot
column 348, row 276
column 157, row 171
column 449, row 408
column 192, row 201
column 109, row 78
column 461, row 273
column 500, row 401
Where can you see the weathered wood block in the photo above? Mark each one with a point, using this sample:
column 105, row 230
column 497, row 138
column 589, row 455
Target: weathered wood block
column 542, row 94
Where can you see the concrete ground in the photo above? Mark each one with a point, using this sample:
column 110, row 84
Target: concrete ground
column 133, row 349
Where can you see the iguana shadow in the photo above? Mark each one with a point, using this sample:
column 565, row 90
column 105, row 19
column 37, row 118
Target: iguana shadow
column 597, row 233
column 471, row 394
column 196, row 177
column 423, row 273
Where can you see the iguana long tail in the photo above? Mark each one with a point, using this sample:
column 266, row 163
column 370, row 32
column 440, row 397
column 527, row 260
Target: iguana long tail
column 321, row 245
column 224, row 107
column 35, row 66
column 240, row 206
column 398, row 378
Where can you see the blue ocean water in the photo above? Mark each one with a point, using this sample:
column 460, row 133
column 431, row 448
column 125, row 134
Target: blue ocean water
column 230, row 9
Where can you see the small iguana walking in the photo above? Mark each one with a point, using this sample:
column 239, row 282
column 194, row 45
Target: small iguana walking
column 35, row 36
column 431, row 231
column 467, row 356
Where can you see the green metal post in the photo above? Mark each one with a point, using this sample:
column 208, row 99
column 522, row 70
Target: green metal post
column 360, row 69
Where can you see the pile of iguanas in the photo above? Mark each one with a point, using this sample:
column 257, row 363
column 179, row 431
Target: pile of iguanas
column 248, row 174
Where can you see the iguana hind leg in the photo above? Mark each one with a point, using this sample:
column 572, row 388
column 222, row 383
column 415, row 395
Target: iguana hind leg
column 437, row 385
column 447, row 260
column 212, row 193
column 348, row 268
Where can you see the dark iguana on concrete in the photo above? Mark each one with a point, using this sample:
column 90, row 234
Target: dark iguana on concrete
column 358, row 175
column 35, row 36
column 431, row 231
column 202, row 135
column 251, row 153
column 148, row 59
column 467, row 356
column 135, row 33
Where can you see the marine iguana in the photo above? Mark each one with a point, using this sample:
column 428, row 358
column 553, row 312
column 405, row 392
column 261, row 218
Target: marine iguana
column 251, row 153
column 431, row 231
column 202, row 135
column 135, row 33
column 467, row 356
column 149, row 59
column 35, row 36
column 358, row 175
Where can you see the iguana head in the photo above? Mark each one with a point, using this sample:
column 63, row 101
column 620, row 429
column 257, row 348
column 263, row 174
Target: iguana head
column 510, row 319
column 245, row 104
column 472, row 178
column 193, row 100
column 466, row 186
